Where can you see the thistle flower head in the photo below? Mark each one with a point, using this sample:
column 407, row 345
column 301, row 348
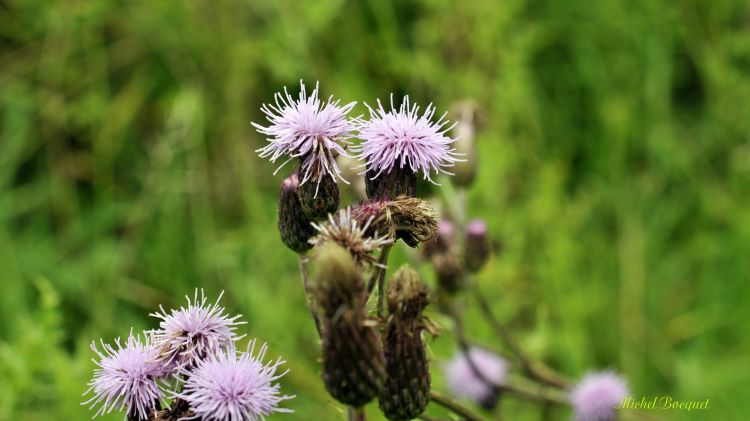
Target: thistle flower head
column 126, row 377
column 189, row 334
column 464, row 381
column 234, row 386
column 401, row 138
column 596, row 395
column 309, row 129
column 347, row 232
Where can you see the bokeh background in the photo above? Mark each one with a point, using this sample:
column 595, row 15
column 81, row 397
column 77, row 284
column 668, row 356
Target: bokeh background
column 615, row 170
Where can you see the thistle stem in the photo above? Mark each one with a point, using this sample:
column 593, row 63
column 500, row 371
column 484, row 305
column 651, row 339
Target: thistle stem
column 378, row 276
column 454, row 406
column 535, row 369
column 308, row 296
column 357, row 414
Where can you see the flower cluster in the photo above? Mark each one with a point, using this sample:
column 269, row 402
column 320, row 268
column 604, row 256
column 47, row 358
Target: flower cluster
column 317, row 133
column 194, row 345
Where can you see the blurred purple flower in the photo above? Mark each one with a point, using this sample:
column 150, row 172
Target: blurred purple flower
column 126, row 378
column 596, row 395
column 308, row 129
column 223, row 387
column 463, row 380
column 187, row 335
column 401, row 138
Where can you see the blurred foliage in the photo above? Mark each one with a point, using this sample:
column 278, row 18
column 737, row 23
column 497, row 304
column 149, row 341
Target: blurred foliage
column 615, row 170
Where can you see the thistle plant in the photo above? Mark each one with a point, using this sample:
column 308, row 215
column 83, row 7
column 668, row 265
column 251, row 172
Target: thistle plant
column 191, row 364
column 372, row 328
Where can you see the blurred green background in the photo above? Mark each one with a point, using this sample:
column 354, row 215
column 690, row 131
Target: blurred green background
column 615, row 170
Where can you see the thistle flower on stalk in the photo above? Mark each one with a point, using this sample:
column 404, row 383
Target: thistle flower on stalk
column 347, row 232
column 189, row 334
column 406, row 391
column 308, row 129
column 463, row 380
column 127, row 378
column 596, row 395
column 444, row 240
column 234, row 386
column 399, row 143
column 353, row 371
column 295, row 228
column 408, row 218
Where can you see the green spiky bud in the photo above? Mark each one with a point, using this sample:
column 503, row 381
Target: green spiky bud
column 295, row 227
column 318, row 199
column 406, row 391
column 353, row 371
column 392, row 184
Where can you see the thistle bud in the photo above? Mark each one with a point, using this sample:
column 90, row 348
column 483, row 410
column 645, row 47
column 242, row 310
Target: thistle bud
column 443, row 242
column 476, row 245
column 294, row 226
column 398, row 181
column 353, row 371
column 465, row 170
column 319, row 199
column 406, row 392
column 449, row 272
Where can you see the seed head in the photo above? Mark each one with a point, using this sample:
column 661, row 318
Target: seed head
column 347, row 232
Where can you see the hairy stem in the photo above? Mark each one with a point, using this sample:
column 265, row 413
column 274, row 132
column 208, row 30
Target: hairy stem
column 306, row 284
column 454, row 406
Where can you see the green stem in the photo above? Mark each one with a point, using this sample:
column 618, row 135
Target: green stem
column 454, row 406
column 357, row 414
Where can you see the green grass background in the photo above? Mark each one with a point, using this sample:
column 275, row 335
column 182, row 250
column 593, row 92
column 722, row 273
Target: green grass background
column 615, row 170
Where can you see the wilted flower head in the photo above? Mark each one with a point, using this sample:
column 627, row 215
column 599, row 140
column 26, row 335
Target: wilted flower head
column 345, row 231
column 596, row 395
column 126, row 378
column 234, row 386
column 188, row 334
column 409, row 218
column 308, row 129
column 463, row 380
column 404, row 139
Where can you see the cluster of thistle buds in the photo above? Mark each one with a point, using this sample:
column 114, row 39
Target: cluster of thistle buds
column 380, row 354
column 190, row 367
column 365, row 356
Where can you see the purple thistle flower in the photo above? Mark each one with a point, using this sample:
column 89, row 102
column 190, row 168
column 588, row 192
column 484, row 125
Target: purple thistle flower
column 126, row 378
column 463, row 381
column 187, row 335
column 223, row 387
column 401, row 138
column 309, row 129
column 596, row 395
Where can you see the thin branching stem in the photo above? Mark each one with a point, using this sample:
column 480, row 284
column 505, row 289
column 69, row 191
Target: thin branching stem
column 454, row 406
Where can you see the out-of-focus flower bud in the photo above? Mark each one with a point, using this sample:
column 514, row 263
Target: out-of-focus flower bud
column 465, row 170
column 294, row 226
column 319, row 199
column 396, row 182
column 350, row 171
column 406, row 392
column 353, row 371
column 449, row 271
column 476, row 245
column 443, row 241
